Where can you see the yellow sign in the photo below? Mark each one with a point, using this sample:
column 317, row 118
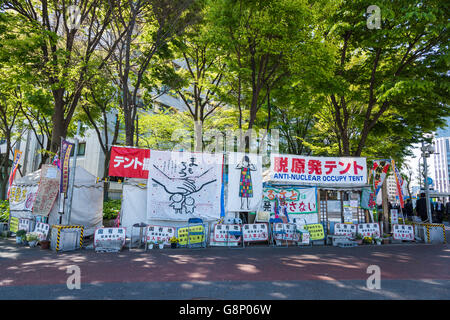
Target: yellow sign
column 316, row 231
column 14, row 224
column 183, row 234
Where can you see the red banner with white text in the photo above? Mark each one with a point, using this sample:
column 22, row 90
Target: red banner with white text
column 129, row 162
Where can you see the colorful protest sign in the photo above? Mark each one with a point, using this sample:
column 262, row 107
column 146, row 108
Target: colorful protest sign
column 182, row 235
column 367, row 199
column 183, row 185
column 244, row 182
column 47, row 191
column 22, row 198
column 129, row 162
column 17, row 156
column 66, row 148
column 14, row 224
column 398, row 184
column 316, row 231
column 380, row 169
column 318, row 170
column 297, row 200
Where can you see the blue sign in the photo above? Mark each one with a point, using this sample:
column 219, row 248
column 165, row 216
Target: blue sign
column 430, row 181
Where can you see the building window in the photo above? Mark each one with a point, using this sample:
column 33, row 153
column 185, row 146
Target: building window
column 81, row 149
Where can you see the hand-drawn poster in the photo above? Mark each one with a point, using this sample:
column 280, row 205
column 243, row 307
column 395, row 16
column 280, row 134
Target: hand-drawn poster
column 294, row 200
column 22, row 197
column 183, row 185
column 47, row 191
column 244, row 182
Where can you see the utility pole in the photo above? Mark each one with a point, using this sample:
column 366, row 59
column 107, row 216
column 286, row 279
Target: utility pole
column 426, row 151
column 72, row 175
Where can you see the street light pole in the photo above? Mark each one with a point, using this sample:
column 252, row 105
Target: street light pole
column 426, row 151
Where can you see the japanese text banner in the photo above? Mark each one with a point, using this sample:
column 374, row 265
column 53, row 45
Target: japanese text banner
column 318, row 170
column 297, row 200
column 129, row 162
column 183, row 185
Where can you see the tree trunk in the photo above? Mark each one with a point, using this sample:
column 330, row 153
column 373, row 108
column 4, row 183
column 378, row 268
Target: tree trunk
column 59, row 129
column 198, row 135
column 384, row 197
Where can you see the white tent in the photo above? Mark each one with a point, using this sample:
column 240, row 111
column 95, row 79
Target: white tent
column 87, row 201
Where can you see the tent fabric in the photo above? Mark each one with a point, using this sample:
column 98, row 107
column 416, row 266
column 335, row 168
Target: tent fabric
column 87, row 201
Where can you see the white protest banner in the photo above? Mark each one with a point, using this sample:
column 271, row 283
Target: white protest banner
column 298, row 200
column 244, row 181
column 318, row 170
column 21, row 198
column 255, row 232
column 183, row 185
column 368, row 229
column 344, row 229
column 160, row 233
column 403, row 232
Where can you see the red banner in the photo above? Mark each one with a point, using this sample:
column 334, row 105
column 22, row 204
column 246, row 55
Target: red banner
column 129, row 162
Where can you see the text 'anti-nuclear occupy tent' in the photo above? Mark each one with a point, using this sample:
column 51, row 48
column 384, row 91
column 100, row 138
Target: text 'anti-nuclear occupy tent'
column 87, row 201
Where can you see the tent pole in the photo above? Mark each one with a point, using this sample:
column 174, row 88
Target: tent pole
column 72, row 176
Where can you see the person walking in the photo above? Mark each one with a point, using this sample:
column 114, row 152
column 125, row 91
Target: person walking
column 409, row 211
column 439, row 211
column 421, row 207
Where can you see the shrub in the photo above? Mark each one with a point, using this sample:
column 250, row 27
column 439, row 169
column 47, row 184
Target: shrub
column 4, row 211
column 111, row 209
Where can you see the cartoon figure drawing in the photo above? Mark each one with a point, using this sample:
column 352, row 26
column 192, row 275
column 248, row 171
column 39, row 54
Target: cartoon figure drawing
column 189, row 205
column 176, row 204
column 181, row 188
column 245, row 181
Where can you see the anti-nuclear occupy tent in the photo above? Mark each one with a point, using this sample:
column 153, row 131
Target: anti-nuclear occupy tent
column 87, row 201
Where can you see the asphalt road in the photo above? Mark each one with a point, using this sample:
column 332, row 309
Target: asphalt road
column 408, row 271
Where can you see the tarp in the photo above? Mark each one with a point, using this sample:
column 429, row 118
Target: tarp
column 87, row 202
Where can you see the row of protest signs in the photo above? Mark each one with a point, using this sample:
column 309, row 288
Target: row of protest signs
column 181, row 185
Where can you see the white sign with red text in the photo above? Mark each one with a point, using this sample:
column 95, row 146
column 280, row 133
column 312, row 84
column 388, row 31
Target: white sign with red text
column 344, row 229
column 255, row 232
column 318, row 170
column 222, row 232
column 368, row 229
column 403, row 232
column 285, row 231
column 160, row 233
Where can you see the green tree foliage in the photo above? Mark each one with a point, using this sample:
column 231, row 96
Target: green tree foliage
column 389, row 85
